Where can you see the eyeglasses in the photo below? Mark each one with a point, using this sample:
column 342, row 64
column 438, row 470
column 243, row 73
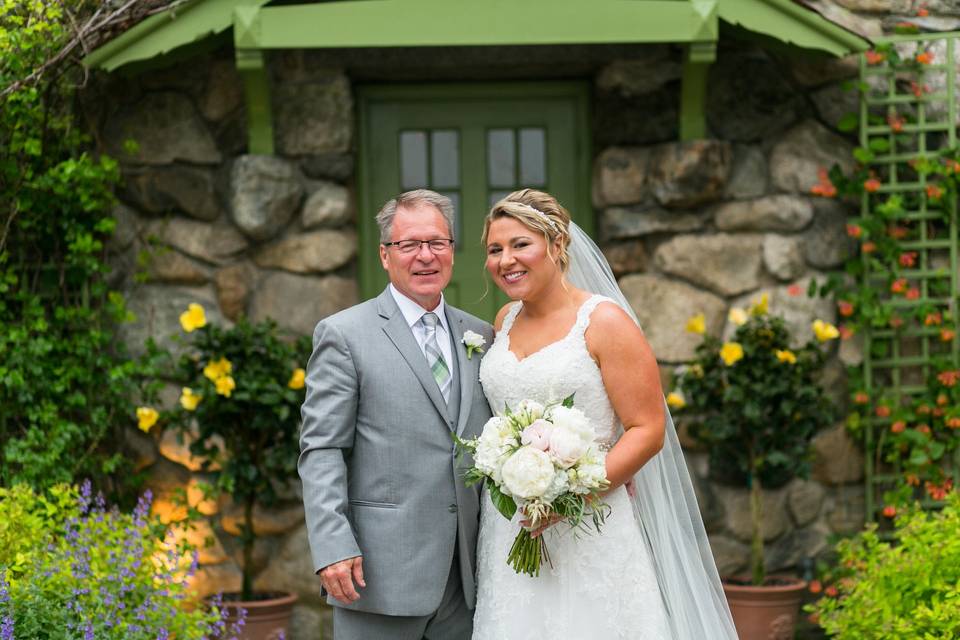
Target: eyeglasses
column 440, row 245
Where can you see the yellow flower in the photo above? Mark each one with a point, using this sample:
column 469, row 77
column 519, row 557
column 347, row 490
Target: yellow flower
column 731, row 352
column 296, row 380
column 760, row 307
column 193, row 318
column 676, row 400
column 824, row 330
column 786, row 355
column 696, row 370
column 697, row 324
column 225, row 385
column 146, row 418
column 216, row 369
column 737, row 316
column 188, row 399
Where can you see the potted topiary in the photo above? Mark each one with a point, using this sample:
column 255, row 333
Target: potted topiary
column 240, row 410
column 754, row 402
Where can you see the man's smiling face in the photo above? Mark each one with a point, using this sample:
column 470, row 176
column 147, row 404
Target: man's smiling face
column 422, row 275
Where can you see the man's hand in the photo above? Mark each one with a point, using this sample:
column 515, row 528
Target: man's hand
column 338, row 579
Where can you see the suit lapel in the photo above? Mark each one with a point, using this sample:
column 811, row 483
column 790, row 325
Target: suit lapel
column 468, row 373
column 400, row 334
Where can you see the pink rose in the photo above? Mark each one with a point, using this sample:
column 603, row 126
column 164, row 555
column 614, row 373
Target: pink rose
column 537, row 435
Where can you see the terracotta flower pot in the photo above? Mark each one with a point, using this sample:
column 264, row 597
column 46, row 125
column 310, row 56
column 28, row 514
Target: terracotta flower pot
column 767, row 612
column 266, row 619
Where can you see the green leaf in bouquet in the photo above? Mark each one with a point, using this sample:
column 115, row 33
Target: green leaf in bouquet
column 502, row 502
column 568, row 401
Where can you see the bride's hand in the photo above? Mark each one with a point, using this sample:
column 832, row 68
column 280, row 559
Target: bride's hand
column 535, row 533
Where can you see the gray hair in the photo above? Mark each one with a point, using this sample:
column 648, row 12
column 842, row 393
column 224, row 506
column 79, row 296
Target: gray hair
column 412, row 199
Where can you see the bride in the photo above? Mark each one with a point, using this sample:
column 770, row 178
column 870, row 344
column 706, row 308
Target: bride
column 649, row 574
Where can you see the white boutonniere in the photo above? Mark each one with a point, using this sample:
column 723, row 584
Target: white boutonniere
column 474, row 342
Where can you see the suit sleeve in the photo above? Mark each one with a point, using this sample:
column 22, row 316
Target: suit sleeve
column 328, row 415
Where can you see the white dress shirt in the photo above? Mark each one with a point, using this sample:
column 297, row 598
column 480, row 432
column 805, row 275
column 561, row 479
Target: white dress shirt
column 412, row 312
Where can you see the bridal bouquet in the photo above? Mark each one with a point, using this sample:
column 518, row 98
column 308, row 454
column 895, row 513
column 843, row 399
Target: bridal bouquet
column 544, row 461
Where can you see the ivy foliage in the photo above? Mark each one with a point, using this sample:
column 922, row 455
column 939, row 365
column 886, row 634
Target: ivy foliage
column 65, row 386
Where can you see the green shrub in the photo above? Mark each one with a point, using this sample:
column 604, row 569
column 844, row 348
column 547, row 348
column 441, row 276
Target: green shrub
column 906, row 588
column 79, row 570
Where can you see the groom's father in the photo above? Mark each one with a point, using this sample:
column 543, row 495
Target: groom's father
column 393, row 530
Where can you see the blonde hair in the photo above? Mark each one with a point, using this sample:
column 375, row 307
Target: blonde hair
column 538, row 211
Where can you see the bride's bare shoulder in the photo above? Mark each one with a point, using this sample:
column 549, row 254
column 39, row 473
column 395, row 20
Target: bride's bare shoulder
column 611, row 328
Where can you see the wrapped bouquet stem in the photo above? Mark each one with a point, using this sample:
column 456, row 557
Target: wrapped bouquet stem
column 546, row 462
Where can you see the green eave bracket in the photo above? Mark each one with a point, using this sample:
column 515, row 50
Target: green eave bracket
column 792, row 24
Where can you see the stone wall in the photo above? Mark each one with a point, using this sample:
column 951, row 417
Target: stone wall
column 688, row 227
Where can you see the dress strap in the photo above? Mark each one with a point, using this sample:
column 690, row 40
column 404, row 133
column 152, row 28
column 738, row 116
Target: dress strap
column 586, row 309
column 510, row 317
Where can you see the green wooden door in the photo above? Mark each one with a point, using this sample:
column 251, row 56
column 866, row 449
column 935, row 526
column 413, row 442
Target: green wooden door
column 475, row 144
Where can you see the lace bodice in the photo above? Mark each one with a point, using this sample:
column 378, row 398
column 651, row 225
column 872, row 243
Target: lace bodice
column 550, row 374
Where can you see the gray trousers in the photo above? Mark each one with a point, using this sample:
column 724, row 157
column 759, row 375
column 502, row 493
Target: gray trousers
column 451, row 621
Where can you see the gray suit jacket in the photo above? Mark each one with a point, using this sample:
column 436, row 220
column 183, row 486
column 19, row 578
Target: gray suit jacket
column 377, row 459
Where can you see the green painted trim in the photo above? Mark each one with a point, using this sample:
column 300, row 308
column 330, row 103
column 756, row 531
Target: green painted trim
column 161, row 33
column 693, row 90
column 390, row 23
column 256, row 88
column 793, row 24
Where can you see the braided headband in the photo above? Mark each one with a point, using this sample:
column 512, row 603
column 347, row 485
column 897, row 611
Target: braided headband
column 538, row 213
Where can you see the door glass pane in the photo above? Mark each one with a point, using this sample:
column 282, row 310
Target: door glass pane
column 413, row 159
column 497, row 196
column 533, row 157
column 445, row 159
column 501, row 157
column 457, row 216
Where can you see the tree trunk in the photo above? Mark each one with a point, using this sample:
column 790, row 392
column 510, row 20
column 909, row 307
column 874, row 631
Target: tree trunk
column 757, row 566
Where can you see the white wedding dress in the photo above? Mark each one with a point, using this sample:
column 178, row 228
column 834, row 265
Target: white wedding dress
column 600, row 586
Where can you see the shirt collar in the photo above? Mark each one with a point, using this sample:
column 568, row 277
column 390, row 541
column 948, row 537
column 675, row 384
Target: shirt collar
column 412, row 311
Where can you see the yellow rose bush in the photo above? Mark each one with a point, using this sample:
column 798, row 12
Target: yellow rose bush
column 754, row 402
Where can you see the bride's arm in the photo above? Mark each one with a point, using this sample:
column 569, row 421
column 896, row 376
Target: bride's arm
column 632, row 380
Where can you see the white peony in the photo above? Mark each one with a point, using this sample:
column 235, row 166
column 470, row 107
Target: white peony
column 559, row 484
column 528, row 473
column 537, row 435
column 590, row 477
column 495, row 440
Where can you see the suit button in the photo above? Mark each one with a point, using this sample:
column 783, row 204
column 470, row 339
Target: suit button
column 452, row 508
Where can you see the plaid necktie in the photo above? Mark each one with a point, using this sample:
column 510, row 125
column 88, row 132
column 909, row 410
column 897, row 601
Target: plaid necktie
column 438, row 366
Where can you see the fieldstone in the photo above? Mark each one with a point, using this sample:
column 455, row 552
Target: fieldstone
column 314, row 117
column 327, row 205
column 790, row 302
column 724, row 263
column 877, row 6
column 225, row 577
column 663, row 307
column 834, row 381
column 617, row 223
column 748, row 98
column 615, row 121
column 313, row 252
column 817, row 71
column 868, row 28
column 215, row 243
column 851, row 351
column 926, row 23
column 783, row 256
column 826, row 243
column 266, row 521
column 297, row 302
column 265, row 193
column 234, row 284
column 165, row 127
column 770, row 213
column 173, row 189
column 306, row 622
column 632, row 78
column 833, row 102
column 141, row 449
column 804, row 497
column 711, row 508
column 223, row 92
column 264, row 550
column 165, row 265
column 732, row 557
column 790, row 550
column 802, row 152
column 128, row 228
column 621, row 175
column 687, row 174
column 175, row 447
column 201, row 536
column 187, row 76
column 837, row 458
column 946, row 7
column 736, row 503
column 328, row 166
column 157, row 310
column 748, row 173
column 626, row 257
column 846, row 509
column 290, row 569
